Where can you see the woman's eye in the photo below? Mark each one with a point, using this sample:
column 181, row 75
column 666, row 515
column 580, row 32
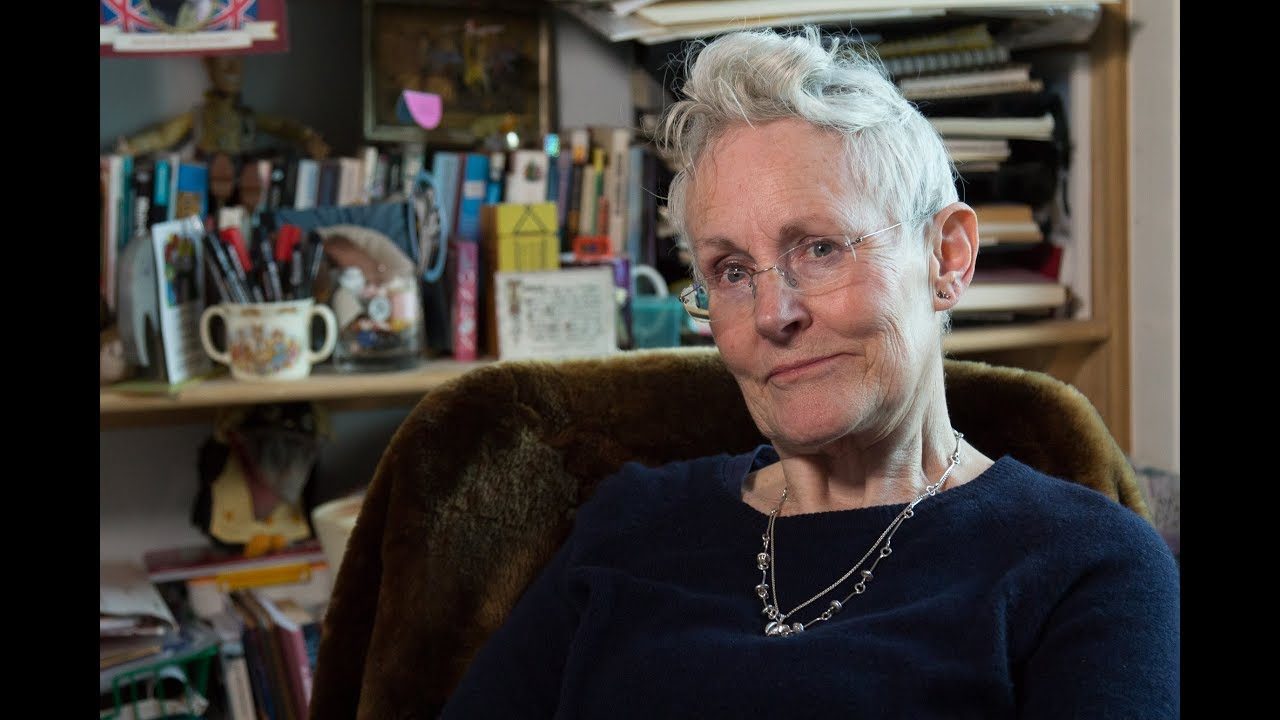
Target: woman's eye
column 733, row 275
column 821, row 248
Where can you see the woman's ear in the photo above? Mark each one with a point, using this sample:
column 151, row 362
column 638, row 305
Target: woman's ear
column 955, row 252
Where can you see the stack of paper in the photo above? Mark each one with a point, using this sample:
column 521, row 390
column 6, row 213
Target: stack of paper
column 133, row 619
column 655, row 21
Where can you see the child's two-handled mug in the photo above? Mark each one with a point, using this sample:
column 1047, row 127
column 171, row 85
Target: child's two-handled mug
column 269, row 341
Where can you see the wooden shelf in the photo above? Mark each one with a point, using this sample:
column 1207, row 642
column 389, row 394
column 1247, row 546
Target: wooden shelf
column 339, row 391
column 363, row 391
column 1048, row 333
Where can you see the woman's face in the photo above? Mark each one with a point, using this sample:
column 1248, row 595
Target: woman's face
column 812, row 368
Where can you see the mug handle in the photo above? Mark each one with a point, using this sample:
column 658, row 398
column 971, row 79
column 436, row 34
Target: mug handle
column 206, row 339
column 330, row 334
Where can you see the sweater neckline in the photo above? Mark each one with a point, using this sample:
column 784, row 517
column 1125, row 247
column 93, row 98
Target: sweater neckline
column 734, row 473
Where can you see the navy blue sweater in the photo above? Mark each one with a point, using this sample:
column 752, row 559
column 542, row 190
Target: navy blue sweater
column 1014, row 595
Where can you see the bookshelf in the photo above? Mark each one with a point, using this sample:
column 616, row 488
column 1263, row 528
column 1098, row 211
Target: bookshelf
column 1058, row 339
column 1093, row 355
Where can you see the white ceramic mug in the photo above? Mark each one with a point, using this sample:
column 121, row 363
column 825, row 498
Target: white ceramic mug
column 269, row 341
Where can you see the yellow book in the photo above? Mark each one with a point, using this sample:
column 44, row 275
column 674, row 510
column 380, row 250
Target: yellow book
column 526, row 237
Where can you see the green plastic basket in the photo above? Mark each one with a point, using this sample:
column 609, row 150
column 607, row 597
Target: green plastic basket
column 128, row 694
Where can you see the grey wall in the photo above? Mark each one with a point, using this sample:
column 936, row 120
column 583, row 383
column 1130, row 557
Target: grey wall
column 1154, row 247
column 147, row 477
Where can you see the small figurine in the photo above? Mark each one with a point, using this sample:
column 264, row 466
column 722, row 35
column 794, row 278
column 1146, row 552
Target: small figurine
column 223, row 124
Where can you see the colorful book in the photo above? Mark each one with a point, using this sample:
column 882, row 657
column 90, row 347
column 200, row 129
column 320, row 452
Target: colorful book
column 191, row 195
column 475, row 177
column 161, row 190
column 466, row 299
column 615, row 142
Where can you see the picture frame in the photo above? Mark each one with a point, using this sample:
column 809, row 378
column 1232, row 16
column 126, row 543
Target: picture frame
column 191, row 28
column 491, row 67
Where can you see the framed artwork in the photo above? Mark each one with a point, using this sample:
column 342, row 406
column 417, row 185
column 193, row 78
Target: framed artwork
column 492, row 69
column 180, row 28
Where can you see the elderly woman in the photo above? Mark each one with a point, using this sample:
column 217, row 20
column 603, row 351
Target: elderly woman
column 868, row 562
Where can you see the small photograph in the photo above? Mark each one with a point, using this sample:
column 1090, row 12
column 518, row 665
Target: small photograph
column 180, row 269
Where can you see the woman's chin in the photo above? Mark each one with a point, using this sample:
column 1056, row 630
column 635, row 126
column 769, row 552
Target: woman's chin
column 806, row 432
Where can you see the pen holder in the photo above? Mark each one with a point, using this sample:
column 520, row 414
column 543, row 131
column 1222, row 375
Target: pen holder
column 269, row 341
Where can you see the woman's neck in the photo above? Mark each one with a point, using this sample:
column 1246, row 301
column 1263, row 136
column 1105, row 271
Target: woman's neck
column 855, row 473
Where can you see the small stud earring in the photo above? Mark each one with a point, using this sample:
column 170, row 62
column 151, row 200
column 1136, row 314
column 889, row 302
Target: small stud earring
column 944, row 295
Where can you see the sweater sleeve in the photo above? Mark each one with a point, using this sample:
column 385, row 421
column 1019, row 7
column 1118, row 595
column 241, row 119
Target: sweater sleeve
column 1110, row 648
column 517, row 673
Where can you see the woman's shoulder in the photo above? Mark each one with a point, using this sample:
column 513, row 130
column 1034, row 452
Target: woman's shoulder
column 638, row 494
column 1059, row 508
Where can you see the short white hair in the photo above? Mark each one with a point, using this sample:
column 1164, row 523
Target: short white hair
column 757, row 76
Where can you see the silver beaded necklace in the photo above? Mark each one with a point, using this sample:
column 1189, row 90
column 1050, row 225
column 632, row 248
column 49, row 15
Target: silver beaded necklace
column 768, row 586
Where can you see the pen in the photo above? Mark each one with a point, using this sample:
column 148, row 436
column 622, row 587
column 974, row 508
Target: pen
column 295, row 273
column 221, row 266
column 316, row 246
column 232, row 237
column 224, row 295
column 270, row 271
column 238, row 270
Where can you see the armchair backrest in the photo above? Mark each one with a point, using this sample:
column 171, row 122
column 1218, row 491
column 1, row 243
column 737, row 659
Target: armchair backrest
column 478, row 487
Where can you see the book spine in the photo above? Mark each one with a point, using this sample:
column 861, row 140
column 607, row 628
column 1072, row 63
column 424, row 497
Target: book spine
column 616, row 178
column 255, row 658
column 192, row 196
column 282, row 697
column 564, row 178
column 124, row 228
column 944, row 61
column 466, row 300
column 308, row 184
column 109, row 169
column 445, row 167
column 235, row 674
column 635, row 202
column 330, row 178
column 475, row 176
column 160, row 199
column 587, row 203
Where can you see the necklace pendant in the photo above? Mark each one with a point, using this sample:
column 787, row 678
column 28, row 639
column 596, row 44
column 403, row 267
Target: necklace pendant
column 781, row 629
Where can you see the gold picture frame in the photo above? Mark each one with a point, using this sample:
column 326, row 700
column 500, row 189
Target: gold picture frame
column 492, row 69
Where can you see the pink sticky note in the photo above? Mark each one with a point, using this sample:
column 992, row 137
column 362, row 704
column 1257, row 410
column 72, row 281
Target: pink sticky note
column 419, row 107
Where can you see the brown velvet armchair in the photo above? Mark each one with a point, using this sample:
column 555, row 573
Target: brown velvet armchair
column 478, row 488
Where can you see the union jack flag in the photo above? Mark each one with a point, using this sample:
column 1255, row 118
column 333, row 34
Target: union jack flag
column 127, row 15
column 134, row 15
column 233, row 15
